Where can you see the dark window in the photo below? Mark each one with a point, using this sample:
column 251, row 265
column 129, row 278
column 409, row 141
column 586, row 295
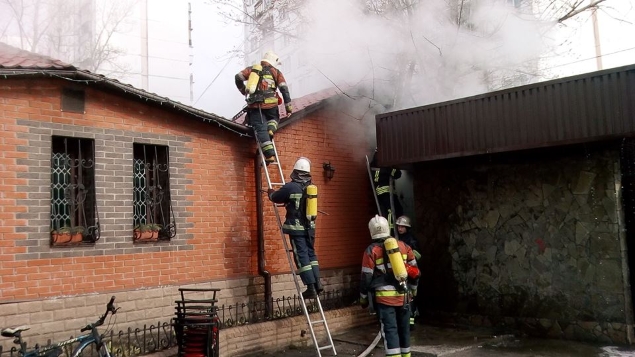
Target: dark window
column 153, row 217
column 74, row 216
column 73, row 100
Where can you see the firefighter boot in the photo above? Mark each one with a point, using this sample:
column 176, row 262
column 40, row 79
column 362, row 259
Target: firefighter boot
column 318, row 287
column 270, row 159
column 310, row 292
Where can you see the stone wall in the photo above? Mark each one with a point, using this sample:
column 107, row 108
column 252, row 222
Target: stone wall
column 526, row 236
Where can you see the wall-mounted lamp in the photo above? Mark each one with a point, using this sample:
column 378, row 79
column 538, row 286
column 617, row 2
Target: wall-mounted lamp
column 329, row 170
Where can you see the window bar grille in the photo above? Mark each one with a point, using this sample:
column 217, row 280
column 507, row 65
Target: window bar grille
column 69, row 191
column 152, row 196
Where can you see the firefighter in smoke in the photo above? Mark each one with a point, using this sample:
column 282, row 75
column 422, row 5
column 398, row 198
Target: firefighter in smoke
column 299, row 225
column 405, row 235
column 381, row 179
column 263, row 81
column 390, row 287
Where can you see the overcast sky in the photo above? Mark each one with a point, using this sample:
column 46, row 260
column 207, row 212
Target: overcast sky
column 214, row 69
column 214, row 37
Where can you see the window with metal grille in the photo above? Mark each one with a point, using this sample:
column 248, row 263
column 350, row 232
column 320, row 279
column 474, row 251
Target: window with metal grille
column 74, row 216
column 153, row 217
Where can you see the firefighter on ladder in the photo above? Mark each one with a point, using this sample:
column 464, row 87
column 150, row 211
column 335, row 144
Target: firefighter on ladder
column 299, row 227
column 263, row 81
column 381, row 179
column 389, row 279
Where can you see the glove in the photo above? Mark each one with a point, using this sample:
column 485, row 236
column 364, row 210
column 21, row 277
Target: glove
column 289, row 109
column 363, row 302
column 417, row 255
column 270, row 192
column 243, row 90
column 413, row 272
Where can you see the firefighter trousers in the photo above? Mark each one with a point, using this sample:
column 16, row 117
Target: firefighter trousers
column 395, row 328
column 304, row 257
column 263, row 120
column 386, row 211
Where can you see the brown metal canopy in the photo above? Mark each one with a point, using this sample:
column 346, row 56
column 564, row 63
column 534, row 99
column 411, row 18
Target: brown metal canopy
column 583, row 108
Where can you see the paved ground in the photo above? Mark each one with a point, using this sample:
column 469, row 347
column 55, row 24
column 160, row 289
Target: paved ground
column 432, row 341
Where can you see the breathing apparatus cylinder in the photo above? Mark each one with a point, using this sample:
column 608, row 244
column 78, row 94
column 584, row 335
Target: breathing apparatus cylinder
column 311, row 202
column 396, row 260
column 254, row 77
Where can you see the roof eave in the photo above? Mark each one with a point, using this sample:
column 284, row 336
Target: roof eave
column 88, row 78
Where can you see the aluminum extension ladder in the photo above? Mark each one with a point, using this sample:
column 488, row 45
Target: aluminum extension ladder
column 270, row 185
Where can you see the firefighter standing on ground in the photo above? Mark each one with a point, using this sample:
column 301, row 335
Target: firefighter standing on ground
column 405, row 235
column 391, row 295
column 262, row 103
column 300, row 229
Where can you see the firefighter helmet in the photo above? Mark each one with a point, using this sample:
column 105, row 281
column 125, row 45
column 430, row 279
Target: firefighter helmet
column 403, row 221
column 378, row 227
column 302, row 164
column 271, row 58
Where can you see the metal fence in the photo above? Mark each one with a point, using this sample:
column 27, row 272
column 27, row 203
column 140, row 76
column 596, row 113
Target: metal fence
column 154, row 338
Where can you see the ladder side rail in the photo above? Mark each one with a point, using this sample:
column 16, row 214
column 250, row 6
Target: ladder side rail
column 290, row 261
column 275, row 150
column 326, row 326
column 295, row 281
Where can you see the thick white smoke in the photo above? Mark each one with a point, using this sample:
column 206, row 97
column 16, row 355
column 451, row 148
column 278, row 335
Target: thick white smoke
column 422, row 56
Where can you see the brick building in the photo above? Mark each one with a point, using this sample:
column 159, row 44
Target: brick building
column 102, row 158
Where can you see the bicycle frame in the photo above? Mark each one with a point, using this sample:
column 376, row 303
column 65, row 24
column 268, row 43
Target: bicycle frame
column 83, row 340
column 55, row 349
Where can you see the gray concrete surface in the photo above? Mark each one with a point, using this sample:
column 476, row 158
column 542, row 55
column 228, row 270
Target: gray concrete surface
column 431, row 341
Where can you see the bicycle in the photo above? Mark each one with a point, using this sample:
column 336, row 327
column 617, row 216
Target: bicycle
column 56, row 349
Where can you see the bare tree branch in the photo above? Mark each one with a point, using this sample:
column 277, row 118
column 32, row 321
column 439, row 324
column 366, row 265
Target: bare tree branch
column 577, row 10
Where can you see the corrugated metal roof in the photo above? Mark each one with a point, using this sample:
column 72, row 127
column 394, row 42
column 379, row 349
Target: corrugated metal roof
column 583, row 108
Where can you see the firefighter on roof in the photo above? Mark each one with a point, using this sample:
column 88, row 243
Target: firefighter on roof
column 389, row 277
column 263, row 81
column 300, row 225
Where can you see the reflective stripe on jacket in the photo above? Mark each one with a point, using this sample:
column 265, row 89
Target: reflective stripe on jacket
column 377, row 276
column 382, row 179
column 292, row 195
column 271, row 78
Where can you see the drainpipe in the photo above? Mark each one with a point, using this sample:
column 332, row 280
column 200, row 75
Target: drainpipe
column 261, row 235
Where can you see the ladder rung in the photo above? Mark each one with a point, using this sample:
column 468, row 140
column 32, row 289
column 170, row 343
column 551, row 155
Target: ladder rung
column 325, row 347
column 277, row 184
column 317, row 322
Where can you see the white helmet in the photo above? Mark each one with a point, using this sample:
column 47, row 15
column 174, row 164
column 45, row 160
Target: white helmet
column 302, row 164
column 378, row 227
column 271, row 58
column 403, row 221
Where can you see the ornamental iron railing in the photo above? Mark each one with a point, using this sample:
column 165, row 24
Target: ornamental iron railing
column 154, row 338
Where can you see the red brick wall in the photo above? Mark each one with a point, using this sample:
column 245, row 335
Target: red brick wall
column 212, row 187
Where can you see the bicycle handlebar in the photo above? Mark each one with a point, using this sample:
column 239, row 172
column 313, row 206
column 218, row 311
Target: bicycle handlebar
column 110, row 308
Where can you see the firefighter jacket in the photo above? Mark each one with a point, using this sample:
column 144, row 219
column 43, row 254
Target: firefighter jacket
column 378, row 278
column 265, row 96
column 381, row 178
column 293, row 195
column 409, row 239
